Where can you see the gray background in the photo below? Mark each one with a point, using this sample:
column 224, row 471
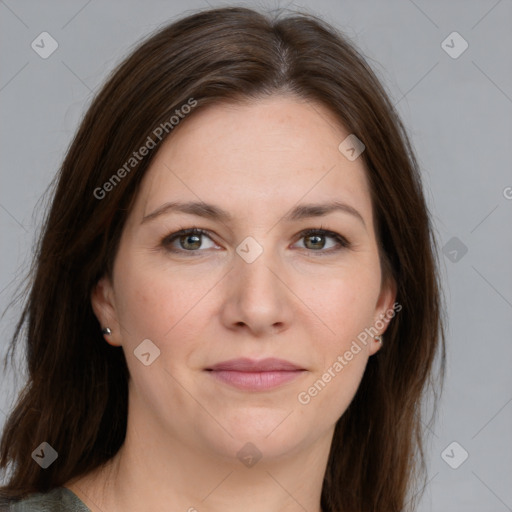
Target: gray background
column 459, row 115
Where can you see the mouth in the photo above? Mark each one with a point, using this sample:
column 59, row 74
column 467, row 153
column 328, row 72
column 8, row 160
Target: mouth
column 251, row 375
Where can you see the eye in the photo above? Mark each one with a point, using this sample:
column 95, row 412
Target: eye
column 189, row 240
column 315, row 240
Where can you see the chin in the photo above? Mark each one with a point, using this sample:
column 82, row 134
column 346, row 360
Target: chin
column 273, row 433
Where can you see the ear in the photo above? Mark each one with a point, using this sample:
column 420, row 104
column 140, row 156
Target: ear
column 103, row 305
column 385, row 309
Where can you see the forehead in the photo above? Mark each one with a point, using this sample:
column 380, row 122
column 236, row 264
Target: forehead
column 256, row 158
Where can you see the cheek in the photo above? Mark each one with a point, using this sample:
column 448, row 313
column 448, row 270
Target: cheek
column 160, row 304
column 347, row 309
column 327, row 396
column 343, row 302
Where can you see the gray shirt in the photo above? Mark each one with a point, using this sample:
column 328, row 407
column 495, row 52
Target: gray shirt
column 59, row 499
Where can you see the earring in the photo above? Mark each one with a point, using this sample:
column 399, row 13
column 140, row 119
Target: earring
column 106, row 331
column 378, row 338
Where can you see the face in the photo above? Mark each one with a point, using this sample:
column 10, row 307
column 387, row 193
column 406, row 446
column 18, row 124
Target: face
column 251, row 320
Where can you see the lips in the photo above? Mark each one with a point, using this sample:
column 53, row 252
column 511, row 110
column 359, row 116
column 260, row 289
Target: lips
column 251, row 375
column 249, row 365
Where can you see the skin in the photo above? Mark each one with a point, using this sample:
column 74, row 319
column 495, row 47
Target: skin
column 303, row 300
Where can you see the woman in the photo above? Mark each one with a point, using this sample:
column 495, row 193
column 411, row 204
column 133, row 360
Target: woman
column 235, row 300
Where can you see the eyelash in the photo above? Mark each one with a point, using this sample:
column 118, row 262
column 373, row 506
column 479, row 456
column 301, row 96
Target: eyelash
column 342, row 241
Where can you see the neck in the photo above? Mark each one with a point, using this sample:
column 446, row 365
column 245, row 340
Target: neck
column 148, row 474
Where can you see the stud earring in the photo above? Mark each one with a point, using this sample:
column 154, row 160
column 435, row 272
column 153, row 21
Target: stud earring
column 378, row 338
column 106, row 331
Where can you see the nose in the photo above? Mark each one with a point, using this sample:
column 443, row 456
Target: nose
column 257, row 298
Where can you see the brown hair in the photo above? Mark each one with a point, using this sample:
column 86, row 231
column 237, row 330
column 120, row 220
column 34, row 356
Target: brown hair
column 76, row 395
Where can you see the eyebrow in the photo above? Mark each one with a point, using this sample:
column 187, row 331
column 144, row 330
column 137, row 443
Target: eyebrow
column 210, row 211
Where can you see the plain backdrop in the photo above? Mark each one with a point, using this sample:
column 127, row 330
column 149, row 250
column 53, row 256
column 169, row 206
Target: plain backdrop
column 457, row 106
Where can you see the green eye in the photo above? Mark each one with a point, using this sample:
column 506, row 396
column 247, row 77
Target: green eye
column 316, row 240
column 192, row 240
column 188, row 239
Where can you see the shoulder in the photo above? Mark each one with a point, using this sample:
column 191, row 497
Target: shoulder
column 59, row 499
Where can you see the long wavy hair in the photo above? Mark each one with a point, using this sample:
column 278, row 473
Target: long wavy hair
column 76, row 394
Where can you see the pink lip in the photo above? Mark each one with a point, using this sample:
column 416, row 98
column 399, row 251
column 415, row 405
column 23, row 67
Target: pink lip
column 253, row 375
